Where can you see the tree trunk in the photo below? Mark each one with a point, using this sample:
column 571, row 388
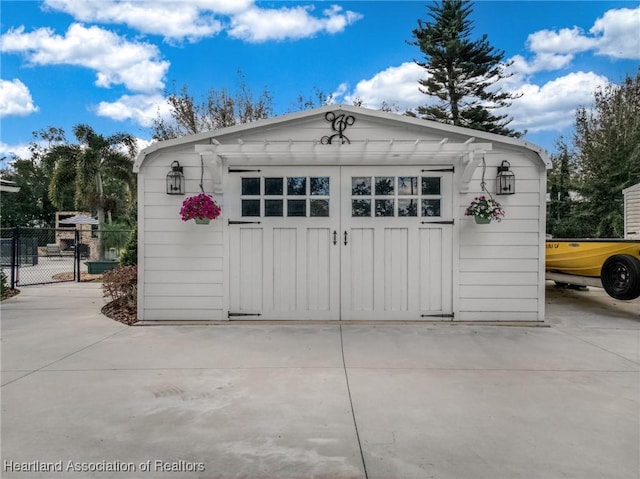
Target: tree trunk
column 100, row 230
column 100, row 209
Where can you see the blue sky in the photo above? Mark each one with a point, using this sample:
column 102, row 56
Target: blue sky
column 108, row 62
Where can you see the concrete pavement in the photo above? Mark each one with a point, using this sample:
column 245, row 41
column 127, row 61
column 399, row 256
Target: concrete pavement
column 84, row 394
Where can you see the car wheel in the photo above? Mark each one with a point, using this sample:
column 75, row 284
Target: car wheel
column 620, row 277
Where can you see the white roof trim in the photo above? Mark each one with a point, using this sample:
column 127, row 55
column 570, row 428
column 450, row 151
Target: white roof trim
column 8, row 186
column 444, row 128
column 631, row 188
column 364, row 152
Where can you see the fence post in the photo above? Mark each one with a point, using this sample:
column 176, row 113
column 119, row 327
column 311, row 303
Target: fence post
column 14, row 256
column 76, row 253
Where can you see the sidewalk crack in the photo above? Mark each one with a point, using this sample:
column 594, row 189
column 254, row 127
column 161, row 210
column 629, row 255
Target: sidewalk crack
column 353, row 414
column 63, row 357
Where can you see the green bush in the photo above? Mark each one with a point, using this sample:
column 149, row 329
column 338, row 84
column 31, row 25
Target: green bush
column 4, row 287
column 129, row 255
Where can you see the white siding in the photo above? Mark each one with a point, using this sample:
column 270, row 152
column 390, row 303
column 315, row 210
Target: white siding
column 500, row 263
column 498, row 269
column 183, row 263
column 632, row 212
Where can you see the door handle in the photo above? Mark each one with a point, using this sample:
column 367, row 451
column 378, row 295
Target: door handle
column 335, row 237
column 346, row 238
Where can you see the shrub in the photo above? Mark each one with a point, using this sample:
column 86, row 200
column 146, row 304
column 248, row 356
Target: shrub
column 4, row 287
column 129, row 256
column 5, row 291
column 121, row 285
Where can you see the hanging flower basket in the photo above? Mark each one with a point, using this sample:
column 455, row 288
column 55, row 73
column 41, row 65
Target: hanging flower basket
column 202, row 208
column 485, row 210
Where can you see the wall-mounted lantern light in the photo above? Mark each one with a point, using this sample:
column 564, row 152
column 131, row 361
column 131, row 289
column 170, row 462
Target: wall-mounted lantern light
column 506, row 180
column 175, row 180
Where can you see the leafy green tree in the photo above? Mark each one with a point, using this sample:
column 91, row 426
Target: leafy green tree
column 607, row 148
column 31, row 206
column 461, row 72
column 564, row 219
column 129, row 256
column 89, row 167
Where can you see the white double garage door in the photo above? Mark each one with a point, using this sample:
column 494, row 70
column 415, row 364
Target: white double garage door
column 340, row 242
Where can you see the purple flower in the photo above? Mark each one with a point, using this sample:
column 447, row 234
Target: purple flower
column 200, row 206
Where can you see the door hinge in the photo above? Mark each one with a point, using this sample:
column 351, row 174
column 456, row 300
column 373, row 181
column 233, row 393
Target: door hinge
column 235, row 315
column 445, row 222
column 450, row 170
column 234, row 222
column 243, row 170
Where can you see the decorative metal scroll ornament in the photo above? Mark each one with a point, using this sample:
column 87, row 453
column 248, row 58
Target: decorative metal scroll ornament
column 339, row 123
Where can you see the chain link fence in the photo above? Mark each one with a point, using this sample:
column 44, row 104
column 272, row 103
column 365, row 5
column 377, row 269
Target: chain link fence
column 32, row 256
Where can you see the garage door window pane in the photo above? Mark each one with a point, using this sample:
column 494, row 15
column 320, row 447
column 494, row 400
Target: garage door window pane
column 431, row 186
column 320, row 186
column 360, row 207
column 273, row 186
column 297, row 186
column 250, row 186
column 407, row 185
column 297, row 208
column 407, row 207
column 273, row 207
column 360, row 186
column 430, row 207
column 250, row 207
column 385, row 186
column 319, row 207
column 384, row 207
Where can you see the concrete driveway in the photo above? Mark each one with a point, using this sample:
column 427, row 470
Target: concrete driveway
column 82, row 395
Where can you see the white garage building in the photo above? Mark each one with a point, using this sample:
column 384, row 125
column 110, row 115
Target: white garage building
column 342, row 213
column 632, row 212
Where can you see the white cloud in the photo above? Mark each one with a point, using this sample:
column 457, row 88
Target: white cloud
column 615, row 34
column 552, row 106
column 566, row 40
column 20, row 150
column 15, row 99
column 142, row 109
column 618, row 32
column 541, row 62
column 397, row 85
column 135, row 65
column 172, row 20
column 196, row 19
column 288, row 23
column 141, row 143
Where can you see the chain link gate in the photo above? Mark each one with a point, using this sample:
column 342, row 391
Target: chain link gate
column 33, row 256
column 39, row 255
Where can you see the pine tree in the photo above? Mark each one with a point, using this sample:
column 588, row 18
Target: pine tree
column 607, row 144
column 461, row 72
column 564, row 216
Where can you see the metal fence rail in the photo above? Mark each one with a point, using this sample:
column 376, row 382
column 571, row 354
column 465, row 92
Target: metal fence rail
column 32, row 256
